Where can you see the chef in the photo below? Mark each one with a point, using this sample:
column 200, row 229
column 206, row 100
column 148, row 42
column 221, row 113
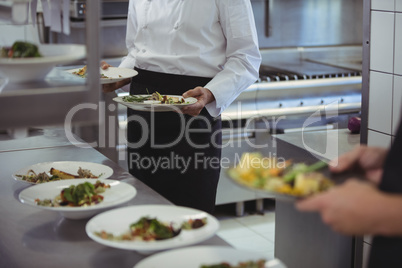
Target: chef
column 207, row 50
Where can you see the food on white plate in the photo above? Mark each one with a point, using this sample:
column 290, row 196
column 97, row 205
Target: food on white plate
column 245, row 264
column 145, row 229
column 80, row 195
column 82, row 72
column 192, row 224
column 55, row 175
column 154, row 98
column 20, row 49
column 284, row 177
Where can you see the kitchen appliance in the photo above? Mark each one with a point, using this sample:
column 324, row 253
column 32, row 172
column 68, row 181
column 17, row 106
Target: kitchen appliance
column 111, row 9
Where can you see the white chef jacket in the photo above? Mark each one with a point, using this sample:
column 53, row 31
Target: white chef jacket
column 207, row 38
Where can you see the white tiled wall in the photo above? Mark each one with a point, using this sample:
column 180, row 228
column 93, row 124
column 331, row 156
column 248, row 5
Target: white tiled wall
column 385, row 70
column 380, row 112
column 382, row 41
column 383, row 5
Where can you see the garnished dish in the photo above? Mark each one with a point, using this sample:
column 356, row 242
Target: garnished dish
column 155, row 102
column 20, row 49
column 109, row 75
column 55, row 175
column 154, row 98
column 77, row 198
column 145, row 229
column 150, row 228
column 270, row 174
column 62, row 170
column 83, row 194
column 83, row 73
column 245, row 264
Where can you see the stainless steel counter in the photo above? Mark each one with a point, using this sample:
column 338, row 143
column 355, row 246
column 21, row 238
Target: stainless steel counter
column 31, row 237
column 328, row 144
column 313, row 244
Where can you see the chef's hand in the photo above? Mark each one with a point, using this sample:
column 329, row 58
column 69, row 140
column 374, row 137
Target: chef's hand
column 112, row 86
column 368, row 159
column 203, row 96
column 352, row 208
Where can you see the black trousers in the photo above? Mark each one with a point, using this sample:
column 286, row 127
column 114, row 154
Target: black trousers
column 176, row 155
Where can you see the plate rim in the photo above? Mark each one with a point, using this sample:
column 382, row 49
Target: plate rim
column 59, row 162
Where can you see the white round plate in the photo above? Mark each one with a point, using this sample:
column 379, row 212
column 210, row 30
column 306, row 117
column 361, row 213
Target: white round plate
column 114, row 74
column 102, row 171
column 195, row 257
column 118, row 193
column 21, row 70
column 117, row 221
column 156, row 107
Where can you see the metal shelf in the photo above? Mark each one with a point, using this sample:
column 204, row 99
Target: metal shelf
column 50, row 104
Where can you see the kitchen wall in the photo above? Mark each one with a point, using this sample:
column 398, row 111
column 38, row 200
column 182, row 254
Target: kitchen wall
column 384, row 92
column 385, row 71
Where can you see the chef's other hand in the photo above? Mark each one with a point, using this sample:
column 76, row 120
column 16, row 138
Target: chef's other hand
column 203, row 96
column 368, row 159
column 351, row 208
column 112, row 86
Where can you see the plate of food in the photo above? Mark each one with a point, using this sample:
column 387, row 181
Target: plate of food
column 25, row 62
column 110, row 75
column 155, row 102
column 209, row 257
column 284, row 179
column 62, row 170
column 151, row 228
column 78, row 198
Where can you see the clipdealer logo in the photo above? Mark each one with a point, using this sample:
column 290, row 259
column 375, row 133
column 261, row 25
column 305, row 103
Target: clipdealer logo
column 331, row 149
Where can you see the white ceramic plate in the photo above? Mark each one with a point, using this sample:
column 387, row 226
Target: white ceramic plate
column 117, row 221
column 118, row 193
column 114, row 74
column 21, row 70
column 102, row 171
column 156, row 107
column 195, row 257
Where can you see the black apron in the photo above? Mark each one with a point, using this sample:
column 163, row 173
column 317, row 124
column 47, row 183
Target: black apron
column 183, row 166
column 387, row 251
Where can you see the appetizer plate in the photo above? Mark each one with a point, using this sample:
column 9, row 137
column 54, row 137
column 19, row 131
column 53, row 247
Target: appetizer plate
column 21, row 70
column 117, row 221
column 156, row 107
column 114, row 74
column 195, row 257
column 118, row 193
column 102, row 171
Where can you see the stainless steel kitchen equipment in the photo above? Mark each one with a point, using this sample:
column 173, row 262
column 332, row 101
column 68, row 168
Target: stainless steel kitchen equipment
column 111, row 9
